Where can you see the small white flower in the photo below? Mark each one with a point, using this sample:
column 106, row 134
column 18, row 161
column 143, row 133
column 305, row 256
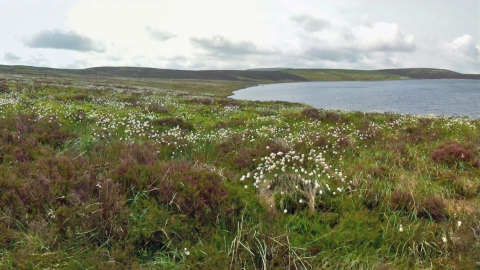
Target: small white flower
column 245, row 186
column 51, row 214
column 400, row 229
column 300, row 201
column 285, row 211
column 186, row 251
column 444, row 239
column 459, row 223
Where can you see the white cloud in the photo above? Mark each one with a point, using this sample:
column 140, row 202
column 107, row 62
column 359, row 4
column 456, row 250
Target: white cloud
column 377, row 37
column 463, row 46
column 382, row 36
column 460, row 54
column 343, row 44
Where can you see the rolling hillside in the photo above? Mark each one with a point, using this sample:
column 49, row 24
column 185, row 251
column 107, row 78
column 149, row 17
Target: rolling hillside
column 254, row 75
column 429, row 73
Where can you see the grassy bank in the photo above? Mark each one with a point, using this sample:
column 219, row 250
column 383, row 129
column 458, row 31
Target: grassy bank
column 112, row 173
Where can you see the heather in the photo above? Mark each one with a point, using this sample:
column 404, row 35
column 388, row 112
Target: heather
column 117, row 176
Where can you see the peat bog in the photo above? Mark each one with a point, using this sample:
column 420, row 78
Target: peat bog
column 112, row 172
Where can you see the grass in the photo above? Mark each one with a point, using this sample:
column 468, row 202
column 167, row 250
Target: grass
column 117, row 173
column 344, row 75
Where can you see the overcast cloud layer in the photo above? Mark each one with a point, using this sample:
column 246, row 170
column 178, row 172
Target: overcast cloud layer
column 242, row 34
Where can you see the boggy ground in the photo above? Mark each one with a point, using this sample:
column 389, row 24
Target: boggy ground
column 107, row 177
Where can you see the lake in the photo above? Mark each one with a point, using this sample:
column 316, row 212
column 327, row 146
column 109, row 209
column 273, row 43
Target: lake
column 439, row 97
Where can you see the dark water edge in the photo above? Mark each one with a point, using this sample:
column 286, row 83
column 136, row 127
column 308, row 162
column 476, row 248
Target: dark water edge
column 445, row 97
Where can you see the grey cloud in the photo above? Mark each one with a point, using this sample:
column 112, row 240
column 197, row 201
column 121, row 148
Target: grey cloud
column 393, row 47
column 310, row 24
column 159, row 35
column 352, row 45
column 57, row 39
column 222, row 46
column 10, row 57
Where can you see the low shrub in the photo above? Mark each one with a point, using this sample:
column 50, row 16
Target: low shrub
column 133, row 100
column 22, row 155
column 145, row 154
column 203, row 101
column 197, row 193
column 173, row 122
column 3, row 86
column 157, row 108
column 79, row 96
column 311, row 113
column 227, row 102
column 333, row 117
column 244, row 158
column 322, row 115
column 451, row 153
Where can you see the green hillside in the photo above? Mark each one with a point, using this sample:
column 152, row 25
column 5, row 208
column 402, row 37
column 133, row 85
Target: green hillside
column 343, row 75
column 264, row 75
column 429, row 73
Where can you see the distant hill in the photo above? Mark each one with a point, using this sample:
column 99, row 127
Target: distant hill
column 268, row 69
column 154, row 73
column 229, row 75
column 343, row 75
column 429, row 73
column 262, row 75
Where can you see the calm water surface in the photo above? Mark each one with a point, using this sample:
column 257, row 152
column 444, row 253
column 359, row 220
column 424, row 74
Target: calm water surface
column 439, row 97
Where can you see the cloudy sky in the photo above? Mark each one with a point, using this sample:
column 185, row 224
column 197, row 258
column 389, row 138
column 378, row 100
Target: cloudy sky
column 242, row 34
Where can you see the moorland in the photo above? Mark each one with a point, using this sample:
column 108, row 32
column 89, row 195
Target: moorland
column 132, row 168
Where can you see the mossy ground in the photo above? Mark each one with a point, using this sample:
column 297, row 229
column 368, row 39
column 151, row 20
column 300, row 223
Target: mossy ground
column 105, row 176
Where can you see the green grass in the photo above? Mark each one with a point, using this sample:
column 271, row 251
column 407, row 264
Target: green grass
column 169, row 174
column 344, row 75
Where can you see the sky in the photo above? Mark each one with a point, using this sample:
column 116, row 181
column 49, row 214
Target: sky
column 242, row 34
